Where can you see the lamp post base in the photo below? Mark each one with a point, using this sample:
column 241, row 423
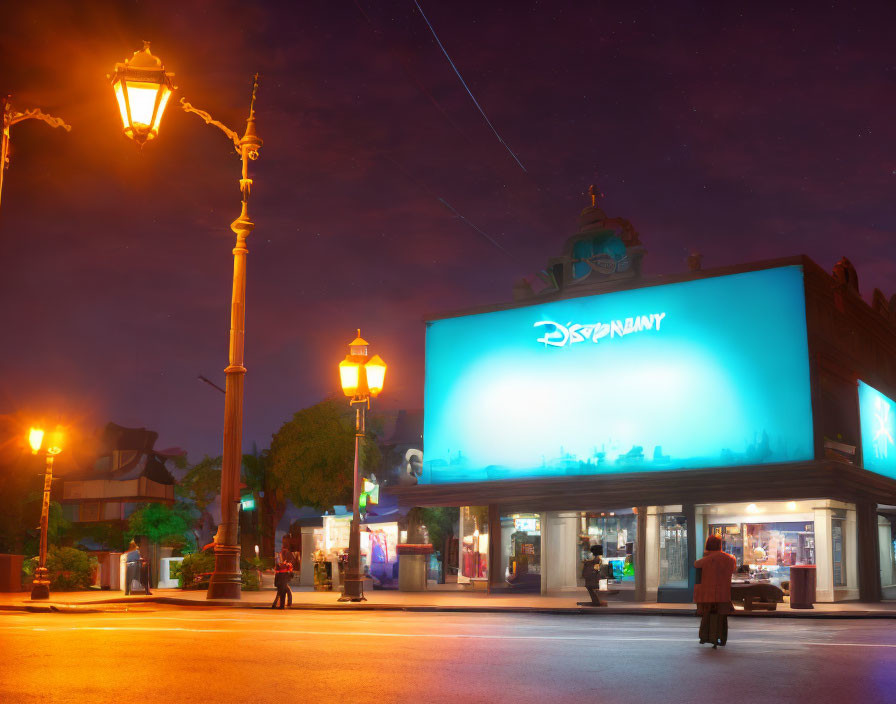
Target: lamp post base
column 227, row 580
column 40, row 587
column 353, row 589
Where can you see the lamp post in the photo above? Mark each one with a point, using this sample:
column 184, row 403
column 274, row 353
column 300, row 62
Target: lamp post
column 361, row 377
column 40, row 588
column 143, row 88
column 11, row 117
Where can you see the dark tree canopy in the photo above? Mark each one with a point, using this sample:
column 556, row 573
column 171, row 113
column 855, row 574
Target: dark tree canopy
column 312, row 455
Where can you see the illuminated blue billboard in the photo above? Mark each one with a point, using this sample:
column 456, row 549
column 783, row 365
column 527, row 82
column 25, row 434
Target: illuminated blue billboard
column 696, row 374
column 877, row 416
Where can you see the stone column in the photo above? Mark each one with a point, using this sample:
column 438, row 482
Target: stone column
column 306, row 576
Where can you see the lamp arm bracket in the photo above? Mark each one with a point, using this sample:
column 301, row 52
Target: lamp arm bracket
column 209, row 120
column 38, row 114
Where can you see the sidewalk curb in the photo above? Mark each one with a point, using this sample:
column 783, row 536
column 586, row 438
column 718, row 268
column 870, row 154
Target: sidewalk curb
column 91, row 607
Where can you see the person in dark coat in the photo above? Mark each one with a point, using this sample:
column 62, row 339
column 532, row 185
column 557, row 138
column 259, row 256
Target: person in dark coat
column 593, row 571
column 713, row 594
column 282, row 575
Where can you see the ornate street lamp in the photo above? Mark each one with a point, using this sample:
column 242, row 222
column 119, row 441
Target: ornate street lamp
column 142, row 88
column 11, row 117
column 141, row 84
column 40, row 588
column 361, row 378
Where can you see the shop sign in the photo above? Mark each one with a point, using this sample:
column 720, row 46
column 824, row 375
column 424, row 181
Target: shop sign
column 557, row 335
column 877, row 414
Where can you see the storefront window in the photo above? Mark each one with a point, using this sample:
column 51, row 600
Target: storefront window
column 521, row 550
column 473, row 556
column 838, row 557
column 615, row 531
column 767, row 539
column 673, row 551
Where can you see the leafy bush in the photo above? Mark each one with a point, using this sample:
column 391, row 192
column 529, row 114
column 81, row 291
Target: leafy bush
column 193, row 565
column 189, row 572
column 69, row 569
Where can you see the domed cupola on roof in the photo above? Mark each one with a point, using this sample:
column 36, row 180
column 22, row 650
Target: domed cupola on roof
column 604, row 249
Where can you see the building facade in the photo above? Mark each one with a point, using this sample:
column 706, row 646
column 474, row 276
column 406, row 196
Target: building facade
column 755, row 402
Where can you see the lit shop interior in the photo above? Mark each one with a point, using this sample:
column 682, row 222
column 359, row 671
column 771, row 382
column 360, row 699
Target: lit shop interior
column 325, row 546
column 541, row 552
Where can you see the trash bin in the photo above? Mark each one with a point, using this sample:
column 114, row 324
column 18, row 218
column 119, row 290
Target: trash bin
column 412, row 560
column 802, row 586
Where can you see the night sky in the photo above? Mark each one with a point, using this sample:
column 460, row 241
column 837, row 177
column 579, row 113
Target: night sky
column 743, row 133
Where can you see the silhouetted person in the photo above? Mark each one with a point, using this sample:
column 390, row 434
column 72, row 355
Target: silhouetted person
column 282, row 575
column 593, row 571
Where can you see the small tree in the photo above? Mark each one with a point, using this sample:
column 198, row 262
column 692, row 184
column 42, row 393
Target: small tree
column 200, row 487
column 312, row 455
column 162, row 524
column 269, row 497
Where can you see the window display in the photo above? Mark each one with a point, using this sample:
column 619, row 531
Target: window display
column 521, row 544
column 615, row 531
column 673, row 550
column 765, row 551
column 473, row 557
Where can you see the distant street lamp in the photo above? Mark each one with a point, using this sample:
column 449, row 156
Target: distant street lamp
column 40, row 588
column 361, row 378
column 142, row 88
column 12, row 117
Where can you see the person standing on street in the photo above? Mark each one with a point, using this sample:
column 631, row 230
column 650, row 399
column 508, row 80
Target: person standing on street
column 282, row 575
column 712, row 593
column 592, row 572
column 133, row 562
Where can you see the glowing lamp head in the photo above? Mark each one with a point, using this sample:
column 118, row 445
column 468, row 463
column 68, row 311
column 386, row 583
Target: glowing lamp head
column 142, row 88
column 54, row 444
column 359, row 374
column 350, row 376
column 375, row 370
column 35, row 439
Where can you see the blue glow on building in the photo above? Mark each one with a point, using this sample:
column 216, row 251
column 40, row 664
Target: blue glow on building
column 877, row 416
column 696, row 374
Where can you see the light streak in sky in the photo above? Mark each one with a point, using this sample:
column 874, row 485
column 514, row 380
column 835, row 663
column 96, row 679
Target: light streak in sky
column 481, row 232
column 467, row 88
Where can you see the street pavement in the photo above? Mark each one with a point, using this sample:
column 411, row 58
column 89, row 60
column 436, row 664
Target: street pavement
column 153, row 653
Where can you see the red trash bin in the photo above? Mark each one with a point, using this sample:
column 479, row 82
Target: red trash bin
column 802, row 586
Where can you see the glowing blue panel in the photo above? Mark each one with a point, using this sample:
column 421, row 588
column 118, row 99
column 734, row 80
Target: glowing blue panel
column 696, row 374
column 877, row 415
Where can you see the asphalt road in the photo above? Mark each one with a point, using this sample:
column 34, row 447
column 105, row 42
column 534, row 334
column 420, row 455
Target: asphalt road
column 178, row 656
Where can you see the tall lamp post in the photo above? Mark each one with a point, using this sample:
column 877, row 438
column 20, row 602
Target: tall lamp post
column 40, row 588
column 12, row 117
column 361, row 377
column 143, row 88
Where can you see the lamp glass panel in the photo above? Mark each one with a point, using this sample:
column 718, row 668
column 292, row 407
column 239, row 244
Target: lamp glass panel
column 376, row 373
column 166, row 93
column 348, row 375
column 142, row 98
column 122, row 105
column 36, row 438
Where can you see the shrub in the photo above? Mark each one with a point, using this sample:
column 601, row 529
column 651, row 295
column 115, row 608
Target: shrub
column 69, row 569
column 189, row 572
column 193, row 565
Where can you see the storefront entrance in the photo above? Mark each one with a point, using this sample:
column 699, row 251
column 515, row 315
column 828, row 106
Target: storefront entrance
column 521, row 551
